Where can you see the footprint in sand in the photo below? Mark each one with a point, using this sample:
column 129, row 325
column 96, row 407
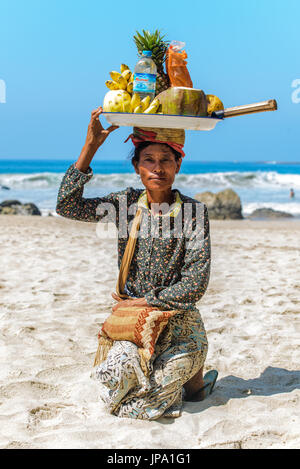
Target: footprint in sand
column 29, row 389
column 65, row 373
column 44, row 412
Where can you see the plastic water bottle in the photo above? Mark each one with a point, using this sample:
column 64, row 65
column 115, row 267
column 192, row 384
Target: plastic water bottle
column 145, row 76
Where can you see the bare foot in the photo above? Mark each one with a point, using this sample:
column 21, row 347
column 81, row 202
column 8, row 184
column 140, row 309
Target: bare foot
column 201, row 387
column 196, row 397
column 193, row 387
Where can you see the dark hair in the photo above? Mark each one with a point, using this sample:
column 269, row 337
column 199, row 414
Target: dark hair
column 135, row 153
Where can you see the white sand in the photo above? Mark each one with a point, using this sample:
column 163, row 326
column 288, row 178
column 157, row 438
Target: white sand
column 55, row 285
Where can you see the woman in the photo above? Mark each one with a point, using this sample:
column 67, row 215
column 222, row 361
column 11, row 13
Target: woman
column 169, row 270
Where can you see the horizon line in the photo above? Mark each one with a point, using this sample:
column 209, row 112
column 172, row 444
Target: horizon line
column 128, row 160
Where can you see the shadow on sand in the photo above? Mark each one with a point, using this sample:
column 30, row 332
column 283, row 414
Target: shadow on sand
column 271, row 381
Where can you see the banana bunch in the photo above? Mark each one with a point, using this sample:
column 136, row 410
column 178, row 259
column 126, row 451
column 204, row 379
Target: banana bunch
column 144, row 105
column 124, row 81
column 121, row 81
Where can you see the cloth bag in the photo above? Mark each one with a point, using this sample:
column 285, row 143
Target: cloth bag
column 138, row 324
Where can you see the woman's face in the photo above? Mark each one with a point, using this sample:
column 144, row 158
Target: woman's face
column 157, row 167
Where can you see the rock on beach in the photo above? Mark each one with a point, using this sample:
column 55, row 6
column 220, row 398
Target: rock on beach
column 15, row 207
column 223, row 205
column 265, row 212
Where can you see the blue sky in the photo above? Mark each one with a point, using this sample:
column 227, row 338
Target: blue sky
column 56, row 55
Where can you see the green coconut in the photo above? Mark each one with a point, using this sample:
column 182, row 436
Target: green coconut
column 182, row 101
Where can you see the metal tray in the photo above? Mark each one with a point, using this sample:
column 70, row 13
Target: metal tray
column 165, row 121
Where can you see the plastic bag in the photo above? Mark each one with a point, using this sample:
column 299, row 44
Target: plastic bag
column 176, row 65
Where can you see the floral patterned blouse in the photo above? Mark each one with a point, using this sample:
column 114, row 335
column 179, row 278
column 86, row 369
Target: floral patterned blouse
column 171, row 262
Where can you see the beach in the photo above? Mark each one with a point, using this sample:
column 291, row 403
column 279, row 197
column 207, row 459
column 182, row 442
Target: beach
column 56, row 282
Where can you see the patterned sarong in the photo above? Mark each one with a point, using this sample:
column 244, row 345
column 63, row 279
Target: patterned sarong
column 179, row 354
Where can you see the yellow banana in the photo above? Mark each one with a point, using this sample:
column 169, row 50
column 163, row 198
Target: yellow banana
column 145, row 103
column 126, row 74
column 115, row 75
column 153, row 107
column 135, row 100
column 122, row 83
column 127, row 107
column 138, row 109
column 150, row 110
column 130, row 87
column 112, row 85
column 124, row 67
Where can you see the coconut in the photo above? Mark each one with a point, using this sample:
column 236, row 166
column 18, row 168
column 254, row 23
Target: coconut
column 117, row 101
column 183, row 101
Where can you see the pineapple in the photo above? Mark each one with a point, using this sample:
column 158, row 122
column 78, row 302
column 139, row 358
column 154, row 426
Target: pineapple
column 155, row 42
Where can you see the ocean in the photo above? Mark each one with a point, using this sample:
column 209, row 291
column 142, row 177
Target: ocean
column 258, row 184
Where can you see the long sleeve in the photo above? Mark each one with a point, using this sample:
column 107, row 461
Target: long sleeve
column 71, row 204
column 194, row 273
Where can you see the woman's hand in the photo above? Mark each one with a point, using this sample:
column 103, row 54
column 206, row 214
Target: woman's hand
column 96, row 134
column 130, row 302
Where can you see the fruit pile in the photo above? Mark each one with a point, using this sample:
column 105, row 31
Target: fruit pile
column 169, row 100
column 121, row 97
column 121, row 81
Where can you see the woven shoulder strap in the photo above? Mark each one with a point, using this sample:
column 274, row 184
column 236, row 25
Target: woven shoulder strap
column 128, row 254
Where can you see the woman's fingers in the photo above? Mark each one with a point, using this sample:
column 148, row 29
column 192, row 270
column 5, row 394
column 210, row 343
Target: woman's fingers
column 96, row 113
column 95, row 117
column 98, row 110
column 122, row 302
column 116, row 297
column 112, row 128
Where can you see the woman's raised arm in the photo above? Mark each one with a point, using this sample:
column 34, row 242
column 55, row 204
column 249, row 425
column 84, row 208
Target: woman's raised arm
column 70, row 202
column 96, row 136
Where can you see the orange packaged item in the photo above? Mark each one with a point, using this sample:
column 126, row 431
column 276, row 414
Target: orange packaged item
column 176, row 65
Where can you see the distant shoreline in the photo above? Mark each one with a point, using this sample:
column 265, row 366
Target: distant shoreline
column 112, row 160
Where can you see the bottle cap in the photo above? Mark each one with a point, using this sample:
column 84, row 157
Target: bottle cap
column 147, row 53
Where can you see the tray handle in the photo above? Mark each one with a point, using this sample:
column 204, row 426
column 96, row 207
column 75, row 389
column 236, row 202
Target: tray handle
column 270, row 105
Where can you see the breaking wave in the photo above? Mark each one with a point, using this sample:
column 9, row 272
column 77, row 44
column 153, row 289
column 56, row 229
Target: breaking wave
column 200, row 181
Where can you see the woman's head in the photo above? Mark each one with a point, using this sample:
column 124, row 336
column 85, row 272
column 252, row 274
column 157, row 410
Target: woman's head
column 157, row 164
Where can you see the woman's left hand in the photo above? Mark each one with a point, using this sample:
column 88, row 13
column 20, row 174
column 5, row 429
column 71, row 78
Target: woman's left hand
column 130, row 302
